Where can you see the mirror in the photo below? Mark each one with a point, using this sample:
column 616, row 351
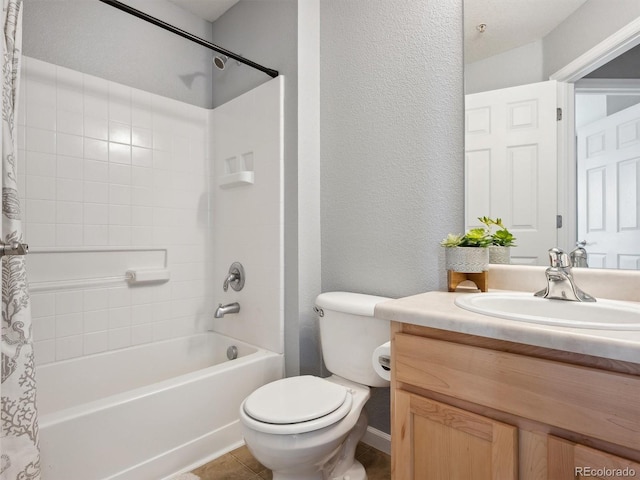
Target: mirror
column 537, row 183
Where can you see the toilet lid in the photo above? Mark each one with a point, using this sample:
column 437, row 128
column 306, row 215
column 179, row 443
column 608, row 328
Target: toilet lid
column 295, row 400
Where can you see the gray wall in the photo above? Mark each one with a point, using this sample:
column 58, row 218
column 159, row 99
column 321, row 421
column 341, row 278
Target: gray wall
column 266, row 32
column 95, row 38
column 588, row 26
column 391, row 147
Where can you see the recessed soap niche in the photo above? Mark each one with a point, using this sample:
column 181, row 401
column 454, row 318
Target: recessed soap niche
column 238, row 171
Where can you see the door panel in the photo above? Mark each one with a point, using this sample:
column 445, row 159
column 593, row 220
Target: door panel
column 511, row 165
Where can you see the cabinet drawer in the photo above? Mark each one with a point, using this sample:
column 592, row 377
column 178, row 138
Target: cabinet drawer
column 591, row 402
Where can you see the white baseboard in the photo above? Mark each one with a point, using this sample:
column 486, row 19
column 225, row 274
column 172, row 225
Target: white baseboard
column 378, row 440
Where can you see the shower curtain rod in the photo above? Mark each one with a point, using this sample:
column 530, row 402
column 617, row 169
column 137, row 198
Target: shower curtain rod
column 188, row 36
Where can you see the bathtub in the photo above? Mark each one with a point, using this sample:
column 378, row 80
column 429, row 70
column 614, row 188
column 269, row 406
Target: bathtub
column 146, row 412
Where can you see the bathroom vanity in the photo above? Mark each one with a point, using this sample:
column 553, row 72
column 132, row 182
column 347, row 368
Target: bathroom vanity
column 514, row 400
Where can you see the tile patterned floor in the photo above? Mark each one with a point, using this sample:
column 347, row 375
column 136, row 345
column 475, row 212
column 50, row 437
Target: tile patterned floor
column 240, row 465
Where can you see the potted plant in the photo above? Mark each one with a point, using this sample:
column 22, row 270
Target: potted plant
column 501, row 240
column 467, row 253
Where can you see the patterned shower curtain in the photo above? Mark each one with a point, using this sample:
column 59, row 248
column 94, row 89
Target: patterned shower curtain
column 19, row 454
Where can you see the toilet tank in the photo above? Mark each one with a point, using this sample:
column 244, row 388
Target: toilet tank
column 349, row 333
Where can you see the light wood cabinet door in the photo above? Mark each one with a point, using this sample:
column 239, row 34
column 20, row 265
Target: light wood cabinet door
column 433, row 440
column 572, row 461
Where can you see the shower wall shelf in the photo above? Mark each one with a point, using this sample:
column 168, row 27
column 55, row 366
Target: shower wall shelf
column 237, row 179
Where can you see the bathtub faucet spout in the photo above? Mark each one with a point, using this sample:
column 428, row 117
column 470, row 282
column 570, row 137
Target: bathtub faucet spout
column 222, row 310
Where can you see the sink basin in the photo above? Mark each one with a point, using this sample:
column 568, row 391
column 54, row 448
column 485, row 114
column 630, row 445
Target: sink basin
column 524, row 307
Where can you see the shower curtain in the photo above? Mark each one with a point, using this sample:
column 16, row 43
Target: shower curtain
column 20, row 459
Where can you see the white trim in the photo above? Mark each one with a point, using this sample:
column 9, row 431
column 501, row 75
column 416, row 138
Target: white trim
column 624, row 39
column 608, row 86
column 378, row 440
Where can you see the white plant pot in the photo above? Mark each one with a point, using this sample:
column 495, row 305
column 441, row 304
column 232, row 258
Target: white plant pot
column 498, row 254
column 467, row 259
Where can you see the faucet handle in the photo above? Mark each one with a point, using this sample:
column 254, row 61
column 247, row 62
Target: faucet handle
column 558, row 258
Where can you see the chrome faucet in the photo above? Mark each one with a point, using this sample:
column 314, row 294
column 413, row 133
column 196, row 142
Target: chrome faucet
column 222, row 310
column 235, row 278
column 560, row 282
column 579, row 255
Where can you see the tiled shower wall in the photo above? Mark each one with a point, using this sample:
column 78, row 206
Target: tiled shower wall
column 104, row 167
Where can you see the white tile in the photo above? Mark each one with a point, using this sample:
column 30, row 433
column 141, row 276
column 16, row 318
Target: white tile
column 96, row 214
column 141, row 236
column 44, row 328
column 68, row 302
column 95, row 299
column 43, row 164
column 141, row 157
column 119, row 297
column 39, row 140
column 119, row 153
column 96, row 321
column 141, row 334
column 119, row 174
column 41, row 235
column 144, row 294
column 69, row 167
column 43, row 304
column 42, row 90
column 96, row 192
column 40, row 211
column 119, row 338
column 70, row 99
column 142, row 137
column 96, row 86
column 69, row 347
column 120, row 215
column 141, row 314
column 69, row 190
column 70, row 122
column 119, row 317
column 69, row 212
column 96, row 171
column 161, row 159
column 161, row 140
column 95, row 342
column 69, row 235
column 41, row 188
column 44, row 352
column 96, row 105
column 119, row 235
column 96, row 127
column 119, row 194
column 69, row 145
column 119, row 132
column 141, row 216
column 41, row 117
column 69, row 324
column 95, row 235
column 96, row 149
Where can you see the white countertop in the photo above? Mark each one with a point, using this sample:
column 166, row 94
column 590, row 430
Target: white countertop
column 437, row 310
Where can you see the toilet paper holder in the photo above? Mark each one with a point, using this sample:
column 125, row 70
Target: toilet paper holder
column 385, row 362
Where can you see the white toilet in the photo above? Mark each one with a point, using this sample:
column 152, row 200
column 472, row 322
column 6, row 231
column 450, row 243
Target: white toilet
column 307, row 428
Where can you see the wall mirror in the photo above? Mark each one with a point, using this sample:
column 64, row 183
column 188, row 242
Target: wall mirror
column 552, row 125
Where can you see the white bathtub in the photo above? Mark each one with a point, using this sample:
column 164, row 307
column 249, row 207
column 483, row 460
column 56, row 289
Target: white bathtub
column 146, row 412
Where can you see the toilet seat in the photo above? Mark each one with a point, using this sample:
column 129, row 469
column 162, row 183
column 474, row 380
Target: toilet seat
column 296, row 405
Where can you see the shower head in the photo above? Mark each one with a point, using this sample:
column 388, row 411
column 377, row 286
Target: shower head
column 220, row 61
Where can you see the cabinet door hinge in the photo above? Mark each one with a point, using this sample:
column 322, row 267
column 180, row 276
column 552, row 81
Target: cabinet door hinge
column 558, row 114
column 558, row 221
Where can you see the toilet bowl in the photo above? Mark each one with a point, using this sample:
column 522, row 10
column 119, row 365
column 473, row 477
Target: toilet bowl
column 307, row 427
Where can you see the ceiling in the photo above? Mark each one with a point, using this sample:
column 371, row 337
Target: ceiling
column 208, row 9
column 510, row 23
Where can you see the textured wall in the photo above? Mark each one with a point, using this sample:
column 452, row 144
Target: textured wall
column 95, row 38
column 391, row 147
column 391, row 142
